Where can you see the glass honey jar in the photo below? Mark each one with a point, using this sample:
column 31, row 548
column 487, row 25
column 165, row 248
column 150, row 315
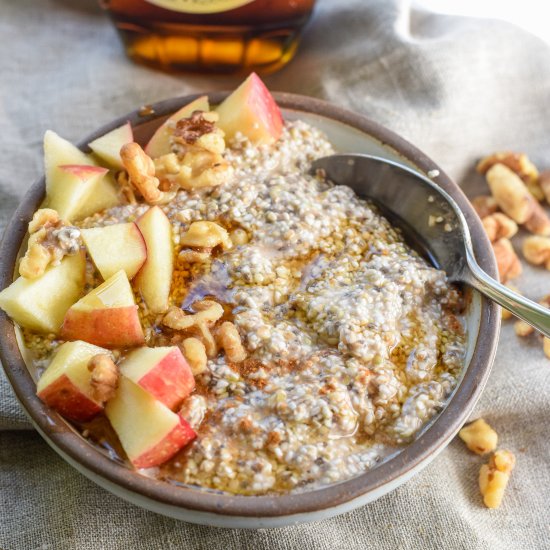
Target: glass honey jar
column 224, row 36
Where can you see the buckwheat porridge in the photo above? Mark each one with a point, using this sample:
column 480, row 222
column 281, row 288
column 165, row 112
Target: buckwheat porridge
column 319, row 342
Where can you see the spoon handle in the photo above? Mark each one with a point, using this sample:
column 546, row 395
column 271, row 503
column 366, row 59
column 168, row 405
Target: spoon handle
column 532, row 313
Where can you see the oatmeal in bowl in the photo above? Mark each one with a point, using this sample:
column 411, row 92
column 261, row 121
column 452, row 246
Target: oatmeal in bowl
column 216, row 319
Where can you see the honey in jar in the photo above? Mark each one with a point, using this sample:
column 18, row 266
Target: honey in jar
column 226, row 36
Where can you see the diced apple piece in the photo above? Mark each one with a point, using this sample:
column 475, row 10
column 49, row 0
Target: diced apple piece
column 108, row 147
column 155, row 277
column 106, row 194
column 66, row 384
column 116, row 247
column 106, row 317
column 40, row 304
column 159, row 144
column 251, row 110
column 59, row 152
column 162, row 371
column 74, row 184
column 150, row 433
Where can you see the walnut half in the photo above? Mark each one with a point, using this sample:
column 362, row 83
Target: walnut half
column 141, row 174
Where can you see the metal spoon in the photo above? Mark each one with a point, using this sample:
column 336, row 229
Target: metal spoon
column 433, row 219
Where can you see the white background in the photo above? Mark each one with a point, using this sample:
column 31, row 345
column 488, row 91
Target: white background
column 532, row 15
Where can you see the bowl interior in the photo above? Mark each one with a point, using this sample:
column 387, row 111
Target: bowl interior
column 349, row 133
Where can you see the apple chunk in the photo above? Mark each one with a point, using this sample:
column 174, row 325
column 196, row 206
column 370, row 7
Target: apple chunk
column 106, row 317
column 155, row 277
column 59, row 152
column 159, row 144
column 162, row 371
column 66, row 384
column 73, row 185
column 105, row 194
column 108, row 147
column 251, row 110
column 116, row 247
column 40, row 304
column 150, row 433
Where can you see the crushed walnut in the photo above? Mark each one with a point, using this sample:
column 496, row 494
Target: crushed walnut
column 141, row 174
column 484, row 205
column 508, row 263
column 498, row 226
column 536, row 250
column 104, row 378
column 195, row 354
column 207, row 313
column 196, row 160
column 510, row 193
column 189, row 130
column 230, row 340
column 206, row 235
column 494, row 477
column 49, row 241
column 479, row 437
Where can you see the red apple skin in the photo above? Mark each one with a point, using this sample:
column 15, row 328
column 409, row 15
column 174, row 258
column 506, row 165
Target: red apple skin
column 171, row 380
column 251, row 109
column 63, row 396
column 83, row 171
column 264, row 105
column 116, row 327
column 181, row 435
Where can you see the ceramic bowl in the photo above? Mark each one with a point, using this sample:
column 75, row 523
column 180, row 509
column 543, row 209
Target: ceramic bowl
column 349, row 132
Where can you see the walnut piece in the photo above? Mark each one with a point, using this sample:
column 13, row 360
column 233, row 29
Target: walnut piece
column 44, row 217
column 494, row 477
column 544, row 183
column 195, row 354
column 189, row 130
column 484, row 205
column 194, row 256
column 479, row 437
column 104, row 378
column 523, row 329
column 203, row 169
column 508, row 263
column 510, row 193
column 50, row 239
column 34, row 263
column 206, row 235
column 519, row 163
column 498, row 226
column 536, row 250
column 207, row 313
column 141, row 174
column 197, row 159
column 538, row 222
column 230, row 340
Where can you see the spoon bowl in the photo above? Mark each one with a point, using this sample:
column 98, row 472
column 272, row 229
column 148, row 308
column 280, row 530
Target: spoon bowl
column 432, row 221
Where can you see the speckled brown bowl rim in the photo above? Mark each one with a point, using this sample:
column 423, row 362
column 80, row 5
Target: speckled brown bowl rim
column 64, row 437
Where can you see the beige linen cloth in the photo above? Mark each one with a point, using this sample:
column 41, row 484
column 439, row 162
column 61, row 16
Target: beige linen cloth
column 455, row 87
